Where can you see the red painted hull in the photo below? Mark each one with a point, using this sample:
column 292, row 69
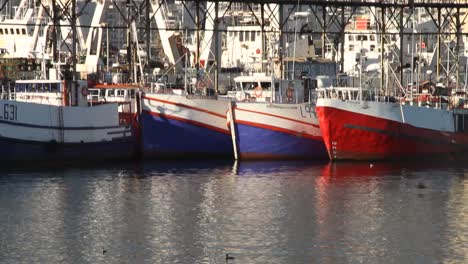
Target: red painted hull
column 354, row 136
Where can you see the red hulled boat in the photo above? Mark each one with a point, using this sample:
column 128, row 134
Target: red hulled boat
column 425, row 127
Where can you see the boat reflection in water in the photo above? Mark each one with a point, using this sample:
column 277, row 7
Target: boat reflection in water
column 360, row 169
column 278, row 167
column 258, row 212
column 371, row 209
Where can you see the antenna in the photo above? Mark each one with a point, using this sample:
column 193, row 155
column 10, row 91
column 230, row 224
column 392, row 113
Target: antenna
column 412, row 58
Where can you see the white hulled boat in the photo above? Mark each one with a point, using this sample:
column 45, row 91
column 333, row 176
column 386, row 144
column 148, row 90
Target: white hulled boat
column 51, row 120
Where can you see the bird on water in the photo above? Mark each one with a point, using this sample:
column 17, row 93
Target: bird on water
column 228, row 257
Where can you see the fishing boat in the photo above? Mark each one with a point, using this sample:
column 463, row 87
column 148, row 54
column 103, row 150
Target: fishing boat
column 427, row 122
column 184, row 124
column 50, row 120
column 272, row 120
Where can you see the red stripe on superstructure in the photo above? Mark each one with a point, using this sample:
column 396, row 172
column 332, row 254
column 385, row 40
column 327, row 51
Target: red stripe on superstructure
column 186, row 106
column 278, row 116
column 279, row 129
column 200, row 124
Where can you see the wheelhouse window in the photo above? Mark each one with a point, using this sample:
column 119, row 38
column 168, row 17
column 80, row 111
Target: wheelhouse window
column 362, row 38
column 120, row 93
column 110, row 92
column 265, row 85
column 249, row 85
column 94, row 92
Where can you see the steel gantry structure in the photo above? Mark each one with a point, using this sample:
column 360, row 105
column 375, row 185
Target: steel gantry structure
column 330, row 20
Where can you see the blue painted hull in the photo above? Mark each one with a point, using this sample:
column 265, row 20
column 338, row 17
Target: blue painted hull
column 13, row 150
column 261, row 143
column 165, row 137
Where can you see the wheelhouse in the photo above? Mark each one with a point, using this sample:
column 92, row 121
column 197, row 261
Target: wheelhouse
column 51, row 92
column 112, row 93
column 263, row 88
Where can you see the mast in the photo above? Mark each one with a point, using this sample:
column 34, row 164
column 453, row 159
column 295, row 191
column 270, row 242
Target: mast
column 73, row 24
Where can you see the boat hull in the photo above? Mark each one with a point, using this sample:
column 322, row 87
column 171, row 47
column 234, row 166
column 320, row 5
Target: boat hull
column 277, row 131
column 174, row 126
column 387, row 131
column 13, row 150
column 38, row 132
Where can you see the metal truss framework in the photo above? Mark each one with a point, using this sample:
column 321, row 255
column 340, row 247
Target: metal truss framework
column 332, row 17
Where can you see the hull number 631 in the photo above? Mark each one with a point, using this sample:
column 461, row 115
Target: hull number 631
column 10, row 112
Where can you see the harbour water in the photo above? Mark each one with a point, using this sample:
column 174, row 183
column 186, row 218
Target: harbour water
column 257, row 212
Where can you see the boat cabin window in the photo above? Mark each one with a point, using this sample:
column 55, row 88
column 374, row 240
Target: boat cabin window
column 252, row 36
column 1, row 31
column 132, row 93
column 23, row 31
column 110, row 92
column 120, row 93
column 362, row 38
column 38, row 87
column 17, row 31
column 12, row 32
column 93, row 92
column 265, row 85
column 372, row 37
column 248, row 86
column 351, row 38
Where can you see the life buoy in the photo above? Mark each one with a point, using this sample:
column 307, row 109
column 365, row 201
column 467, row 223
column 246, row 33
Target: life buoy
column 258, row 91
column 84, row 91
column 289, row 92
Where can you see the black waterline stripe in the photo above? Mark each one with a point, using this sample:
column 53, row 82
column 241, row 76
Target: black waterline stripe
column 55, row 127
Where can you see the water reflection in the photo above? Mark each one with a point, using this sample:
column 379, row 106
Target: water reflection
column 371, row 209
column 259, row 212
column 277, row 168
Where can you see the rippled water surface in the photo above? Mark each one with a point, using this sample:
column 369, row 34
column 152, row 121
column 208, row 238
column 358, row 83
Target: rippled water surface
column 257, row 212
